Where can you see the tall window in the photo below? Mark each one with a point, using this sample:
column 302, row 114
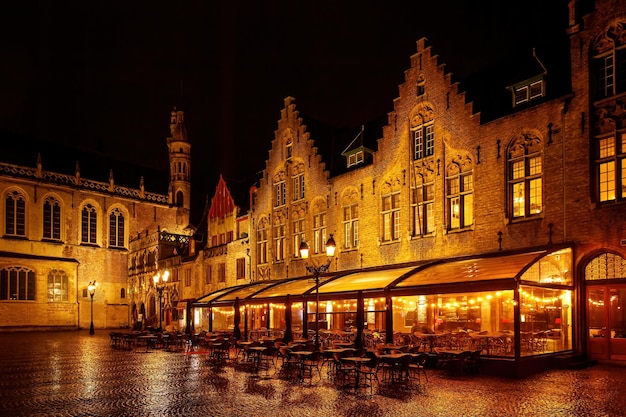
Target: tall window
column 15, row 210
column 51, row 219
column 298, row 235
column 422, row 204
column 116, row 228
column 423, row 141
column 610, row 63
column 221, row 270
column 525, row 177
column 391, row 216
column 351, row 225
column 57, row 286
column 89, row 224
column 298, row 187
column 459, row 190
column 280, row 198
column 319, row 233
column 460, row 201
column 241, row 268
column 422, row 130
column 611, row 167
column 17, row 283
column 279, row 239
column 208, row 276
column 261, row 238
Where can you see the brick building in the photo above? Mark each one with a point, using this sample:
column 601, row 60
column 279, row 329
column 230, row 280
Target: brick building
column 511, row 221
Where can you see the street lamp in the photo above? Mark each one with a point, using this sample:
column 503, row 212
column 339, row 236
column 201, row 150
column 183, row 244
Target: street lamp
column 159, row 285
column 92, row 290
column 316, row 270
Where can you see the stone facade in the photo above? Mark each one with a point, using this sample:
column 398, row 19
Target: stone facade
column 62, row 232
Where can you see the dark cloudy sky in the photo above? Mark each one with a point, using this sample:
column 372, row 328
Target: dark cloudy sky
column 103, row 75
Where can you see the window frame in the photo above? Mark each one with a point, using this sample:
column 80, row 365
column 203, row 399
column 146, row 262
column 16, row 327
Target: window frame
column 117, row 228
column 390, row 214
column 460, row 196
column 51, row 222
column 24, row 282
column 58, row 278
column 422, row 208
column 525, row 183
column 89, row 224
column 351, row 226
column 15, row 214
column 610, row 167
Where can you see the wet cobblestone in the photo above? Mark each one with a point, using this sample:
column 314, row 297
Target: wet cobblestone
column 74, row 374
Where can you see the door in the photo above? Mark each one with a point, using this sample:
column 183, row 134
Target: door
column 606, row 322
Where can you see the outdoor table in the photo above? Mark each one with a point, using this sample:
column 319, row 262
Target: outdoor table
column 344, row 344
column 302, row 355
column 256, row 351
column 392, row 359
column 358, row 361
column 149, row 339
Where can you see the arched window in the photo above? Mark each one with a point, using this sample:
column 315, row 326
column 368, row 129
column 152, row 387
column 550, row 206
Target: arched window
column 116, row 228
column 17, row 283
column 350, row 219
column 423, row 132
column 179, row 199
column 57, row 286
column 460, row 193
column 89, row 224
column 15, row 210
column 609, row 59
column 525, row 177
column 51, row 219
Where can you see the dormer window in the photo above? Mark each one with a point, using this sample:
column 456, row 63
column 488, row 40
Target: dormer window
column 355, row 158
column 530, row 82
column 528, row 92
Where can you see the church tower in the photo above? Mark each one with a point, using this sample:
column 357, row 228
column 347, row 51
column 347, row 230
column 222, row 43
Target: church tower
column 179, row 150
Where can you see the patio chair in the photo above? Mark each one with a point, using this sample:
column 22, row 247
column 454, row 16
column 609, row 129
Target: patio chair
column 310, row 365
column 368, row 373
column 417, row 368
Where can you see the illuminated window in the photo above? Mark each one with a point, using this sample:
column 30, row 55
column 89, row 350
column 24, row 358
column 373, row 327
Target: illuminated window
column 525, row 177
column 57, row 286
column 460, row 194
column 611, row 168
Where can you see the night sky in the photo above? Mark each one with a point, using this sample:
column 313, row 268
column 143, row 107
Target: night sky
column 103, row 75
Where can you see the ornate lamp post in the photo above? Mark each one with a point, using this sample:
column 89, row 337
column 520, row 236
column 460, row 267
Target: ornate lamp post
column 159, row 285
column 92, row 290
column 316, row 270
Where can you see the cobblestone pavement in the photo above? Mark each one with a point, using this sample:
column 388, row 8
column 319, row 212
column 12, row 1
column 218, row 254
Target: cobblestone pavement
column 74, row 374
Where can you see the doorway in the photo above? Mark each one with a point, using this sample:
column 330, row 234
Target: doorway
column 606, row 322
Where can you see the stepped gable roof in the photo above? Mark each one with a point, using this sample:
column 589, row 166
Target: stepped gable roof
column 489, row 89
column 333, row 141
column 62, row 159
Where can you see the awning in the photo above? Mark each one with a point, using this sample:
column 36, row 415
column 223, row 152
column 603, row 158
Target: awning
column 443, row 275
